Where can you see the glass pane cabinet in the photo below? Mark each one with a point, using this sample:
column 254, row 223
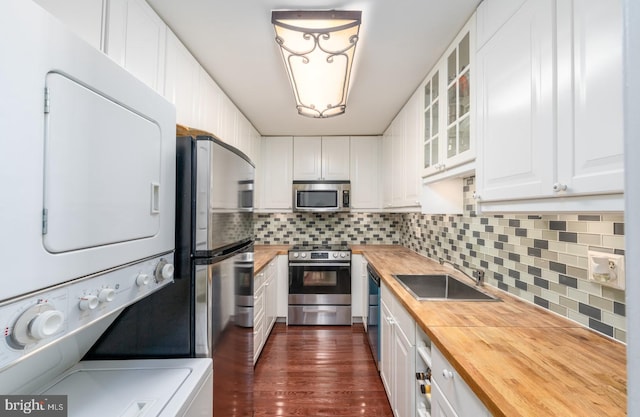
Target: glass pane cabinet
column 448, row 114
column 431, row 121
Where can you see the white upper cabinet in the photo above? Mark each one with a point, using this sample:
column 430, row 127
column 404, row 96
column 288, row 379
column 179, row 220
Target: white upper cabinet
column 365, row 172
column 321, row 158
column 590, row 98
column 448, row 109
column 275, row 173
column 515, row 106
column 181, row 81
column 84, row 17
column 209, row 98
column 135, row 39
column 491, row 15
column 550, row 109
column 401, row 158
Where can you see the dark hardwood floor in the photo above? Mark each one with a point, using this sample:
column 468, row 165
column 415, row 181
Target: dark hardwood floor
column 318, row 371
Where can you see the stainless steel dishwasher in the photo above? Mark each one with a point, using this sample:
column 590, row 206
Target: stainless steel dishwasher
column 373, row 319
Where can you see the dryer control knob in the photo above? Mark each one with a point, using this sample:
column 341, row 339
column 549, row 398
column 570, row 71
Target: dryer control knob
column 35, row 323
column 142, row 280
column 164, row 270
column 46, row 324
column 106, row 295
column 88, row 302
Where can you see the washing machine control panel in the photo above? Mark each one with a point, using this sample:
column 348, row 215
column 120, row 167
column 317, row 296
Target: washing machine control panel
column 32, row 322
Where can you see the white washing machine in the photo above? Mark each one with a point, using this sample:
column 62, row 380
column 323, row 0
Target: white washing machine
column 47, row 333
column 154, row 387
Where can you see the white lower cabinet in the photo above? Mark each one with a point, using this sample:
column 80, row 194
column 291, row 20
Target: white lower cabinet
column 282, row 284
column 397, row 354
column 450, row 395
column 258, row 315
column 265, row 304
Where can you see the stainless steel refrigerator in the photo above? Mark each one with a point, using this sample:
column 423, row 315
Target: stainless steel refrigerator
column 208, row 311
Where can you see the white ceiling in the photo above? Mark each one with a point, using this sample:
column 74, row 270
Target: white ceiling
column 400, row 40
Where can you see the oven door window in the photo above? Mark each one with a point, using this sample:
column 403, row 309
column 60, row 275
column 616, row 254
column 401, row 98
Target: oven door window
column 319, row 280
column 317, row 199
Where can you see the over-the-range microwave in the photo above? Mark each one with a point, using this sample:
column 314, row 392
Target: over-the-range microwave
column 321, row 196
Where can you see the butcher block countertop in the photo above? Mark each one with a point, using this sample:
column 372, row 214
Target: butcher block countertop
column 263, row 254
column 519, row 359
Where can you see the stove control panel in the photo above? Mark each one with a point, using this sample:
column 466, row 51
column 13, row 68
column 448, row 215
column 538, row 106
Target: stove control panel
column 319, row 256
column 34, row 321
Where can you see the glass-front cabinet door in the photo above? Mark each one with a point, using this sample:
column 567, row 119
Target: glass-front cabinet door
column 448, row 139
column 458, row 99
column 431, row 137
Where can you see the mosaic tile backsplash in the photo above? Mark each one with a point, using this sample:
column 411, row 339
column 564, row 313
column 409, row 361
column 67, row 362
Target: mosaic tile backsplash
column 327, row 228
column 539, row 258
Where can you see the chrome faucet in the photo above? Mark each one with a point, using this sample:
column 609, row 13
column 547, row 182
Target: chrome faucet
column 478, row 274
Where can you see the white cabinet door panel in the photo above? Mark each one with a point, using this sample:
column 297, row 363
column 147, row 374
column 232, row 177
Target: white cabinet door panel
column 365, row 166
column 307, row 158
column 136, row 40
column 335, row 158
column 516, row 103
column 590, row 121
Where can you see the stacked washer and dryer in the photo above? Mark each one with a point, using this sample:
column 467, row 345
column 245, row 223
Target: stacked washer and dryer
column 87, row 206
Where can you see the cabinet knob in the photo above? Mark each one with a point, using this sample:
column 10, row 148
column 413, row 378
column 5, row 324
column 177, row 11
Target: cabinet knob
column 447, row 374
column 557, row 187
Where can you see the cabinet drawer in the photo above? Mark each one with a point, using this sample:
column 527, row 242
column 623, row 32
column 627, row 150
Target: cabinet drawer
column 258, row 280
column 405, row 322
column 258, row 336
column 455, row 390
column 258, row 303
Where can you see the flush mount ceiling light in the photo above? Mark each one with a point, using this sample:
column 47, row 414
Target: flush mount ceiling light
column 318, row 48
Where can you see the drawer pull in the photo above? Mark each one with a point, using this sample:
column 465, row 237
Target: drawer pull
column 447, row 374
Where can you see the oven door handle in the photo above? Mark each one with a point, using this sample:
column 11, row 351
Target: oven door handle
column 320, row 264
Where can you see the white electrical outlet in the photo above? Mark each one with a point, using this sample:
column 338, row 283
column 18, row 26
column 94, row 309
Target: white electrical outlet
column 417, row 231
column 606, row 269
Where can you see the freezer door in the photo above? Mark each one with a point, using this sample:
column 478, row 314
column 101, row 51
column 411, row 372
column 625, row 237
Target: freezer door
column 224, row 197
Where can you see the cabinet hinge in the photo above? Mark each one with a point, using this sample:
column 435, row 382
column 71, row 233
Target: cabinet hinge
column 45, row 223
column 46, row 101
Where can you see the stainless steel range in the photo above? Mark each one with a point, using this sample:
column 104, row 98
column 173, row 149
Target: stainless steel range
column 320, row 285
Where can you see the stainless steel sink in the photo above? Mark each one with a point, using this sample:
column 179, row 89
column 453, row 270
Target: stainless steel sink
column 442, row 287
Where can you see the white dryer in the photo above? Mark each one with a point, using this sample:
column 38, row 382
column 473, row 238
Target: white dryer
column 87, row 157
column 48, row 332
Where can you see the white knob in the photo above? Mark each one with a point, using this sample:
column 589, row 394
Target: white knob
column 342, row 255
column 46, row 324
column 447, row 374
column 304, row 255
column 295, row 254
column 106, row 295
column 557, row 187
column 88, row 302
column 142, row 280
column 335, row 255
column 167, row 271
column 164, row 270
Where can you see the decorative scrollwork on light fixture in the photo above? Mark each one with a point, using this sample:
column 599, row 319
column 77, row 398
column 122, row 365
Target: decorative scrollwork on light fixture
column 317, row 49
